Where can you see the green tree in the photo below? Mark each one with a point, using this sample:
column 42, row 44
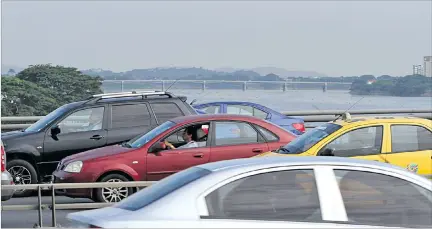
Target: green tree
column 69, row 84
column 23, row 98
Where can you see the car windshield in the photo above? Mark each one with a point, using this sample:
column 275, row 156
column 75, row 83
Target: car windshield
column 143, row 139
column 47, row 119
column 309, row 139
column 162, row 188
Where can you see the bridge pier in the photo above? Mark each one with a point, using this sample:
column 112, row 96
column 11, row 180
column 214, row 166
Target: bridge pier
column 204, row 85
column 244, row 86
column 163, row 85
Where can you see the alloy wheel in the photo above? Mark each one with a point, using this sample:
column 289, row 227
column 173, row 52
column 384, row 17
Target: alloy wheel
column 112, row 195
column 20, row 175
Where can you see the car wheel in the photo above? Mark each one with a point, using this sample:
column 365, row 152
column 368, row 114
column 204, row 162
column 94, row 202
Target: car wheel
column 22, row 172
column 114, row 194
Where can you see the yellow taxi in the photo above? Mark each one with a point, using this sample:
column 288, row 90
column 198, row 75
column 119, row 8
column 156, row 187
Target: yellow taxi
column 401, row 141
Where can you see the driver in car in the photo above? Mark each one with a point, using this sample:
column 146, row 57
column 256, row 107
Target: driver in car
column 187, row 136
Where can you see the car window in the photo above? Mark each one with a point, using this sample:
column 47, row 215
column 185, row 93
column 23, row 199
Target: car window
column 283, row 195
column 246, row 110
column 47, row 119
column 83, row 120
column 377, row 199
column 358, row 142
column 230, row 133
column 211, row 109
column 130, row 115
column 407, row 138
column 166, row 111
column 140, row 140
column 268, row 135
column 162, row 188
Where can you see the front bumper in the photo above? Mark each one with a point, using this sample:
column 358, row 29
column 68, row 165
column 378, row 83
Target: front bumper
column 6, row 179
column 65, row 177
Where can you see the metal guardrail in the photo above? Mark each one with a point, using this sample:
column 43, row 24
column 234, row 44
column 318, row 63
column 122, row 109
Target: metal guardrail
column 308, row 116
column 53, row 206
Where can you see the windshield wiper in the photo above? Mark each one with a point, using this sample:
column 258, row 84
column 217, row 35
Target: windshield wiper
column 282, row 149
column 126, row 144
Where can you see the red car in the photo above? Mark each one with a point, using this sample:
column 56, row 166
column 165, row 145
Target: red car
column 159, row 153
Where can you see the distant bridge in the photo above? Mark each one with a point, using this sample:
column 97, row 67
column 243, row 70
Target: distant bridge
column 121, row 85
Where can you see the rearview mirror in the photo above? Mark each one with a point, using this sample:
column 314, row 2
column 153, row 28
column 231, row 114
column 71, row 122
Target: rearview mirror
column 327, row 152
column 55, row 130
column 157, row 147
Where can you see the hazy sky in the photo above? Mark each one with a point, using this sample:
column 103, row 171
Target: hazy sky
column 334, row 38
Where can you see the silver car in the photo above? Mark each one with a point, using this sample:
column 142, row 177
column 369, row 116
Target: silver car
column 275, row 192
column 6, row 178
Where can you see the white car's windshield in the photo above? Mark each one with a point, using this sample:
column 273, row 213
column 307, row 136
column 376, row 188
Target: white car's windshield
column 309, row 139
column 143, row 139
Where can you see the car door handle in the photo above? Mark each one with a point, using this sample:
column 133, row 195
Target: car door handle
column 257, row 150
column 96, row 137
column 198, row 155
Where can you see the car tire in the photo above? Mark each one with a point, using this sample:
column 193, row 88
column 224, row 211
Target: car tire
column 22, row 172
column 113, row 195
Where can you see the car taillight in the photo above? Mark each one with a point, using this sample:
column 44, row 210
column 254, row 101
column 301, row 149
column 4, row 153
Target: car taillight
column 299, row 126
column 3, row 159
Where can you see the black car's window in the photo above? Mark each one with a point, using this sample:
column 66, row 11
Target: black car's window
column 166, row 111
column 130, row 115
column 282, row 195
column 358, row 142
column 232, row 133
column 269, row 136
column 47, row 119
column 406, row 138
column 83, row 120
column 211, row 109
column 162, row 188
column 246, row 110
column 377, row 199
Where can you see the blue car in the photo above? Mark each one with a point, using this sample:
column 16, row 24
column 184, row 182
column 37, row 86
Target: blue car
column 294, row 125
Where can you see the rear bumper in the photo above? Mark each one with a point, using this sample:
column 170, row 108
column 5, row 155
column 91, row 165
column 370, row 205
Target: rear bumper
column 6, row 179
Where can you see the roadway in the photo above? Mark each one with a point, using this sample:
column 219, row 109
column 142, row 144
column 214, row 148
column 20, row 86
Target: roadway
column 28, row 218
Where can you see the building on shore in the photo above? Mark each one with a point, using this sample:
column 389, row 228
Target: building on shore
column 427, row 66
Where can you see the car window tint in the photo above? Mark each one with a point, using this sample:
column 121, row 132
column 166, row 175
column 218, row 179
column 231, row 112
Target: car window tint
column 246, row 110
column 407, row 138
column 212, row 109
column 229, row 133
column 130, row 115
column 283, row 195
column 358, row 142
column 377, row 199
column 83, row 120
column 269, row 136
column 166, row 111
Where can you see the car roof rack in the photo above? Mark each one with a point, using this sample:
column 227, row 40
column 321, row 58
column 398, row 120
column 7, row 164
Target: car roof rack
column 143, row 94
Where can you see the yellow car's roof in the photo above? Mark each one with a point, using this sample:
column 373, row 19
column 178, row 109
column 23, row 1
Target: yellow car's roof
column 360, row 120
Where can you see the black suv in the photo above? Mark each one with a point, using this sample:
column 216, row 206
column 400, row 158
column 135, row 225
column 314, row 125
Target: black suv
column 104, row 119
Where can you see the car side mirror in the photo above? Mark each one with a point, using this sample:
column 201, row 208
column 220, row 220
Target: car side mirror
column 327, row 152
column 157, row 148
column 55, row 130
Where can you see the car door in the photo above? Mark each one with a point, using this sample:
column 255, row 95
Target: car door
column 411, row 148
column 167, row 162
column 235, row 139
column 129, row 121
column 365, row 142
column 76, row 135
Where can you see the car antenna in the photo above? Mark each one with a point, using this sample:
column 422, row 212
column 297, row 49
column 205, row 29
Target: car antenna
column 171, row 85
column 340, row 115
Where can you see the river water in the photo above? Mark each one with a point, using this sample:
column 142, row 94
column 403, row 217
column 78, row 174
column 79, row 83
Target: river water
column 294, row 100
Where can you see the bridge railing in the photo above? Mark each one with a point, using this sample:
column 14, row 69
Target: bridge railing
column 53, row 206
column 310, row 117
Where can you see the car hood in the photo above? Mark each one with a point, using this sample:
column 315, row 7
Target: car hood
column 14, row 134
column 98, row 153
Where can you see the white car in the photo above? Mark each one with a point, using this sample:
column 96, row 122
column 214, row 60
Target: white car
column 275, row 192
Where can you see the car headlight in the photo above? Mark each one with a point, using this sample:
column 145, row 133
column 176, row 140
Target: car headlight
column 74, row 167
